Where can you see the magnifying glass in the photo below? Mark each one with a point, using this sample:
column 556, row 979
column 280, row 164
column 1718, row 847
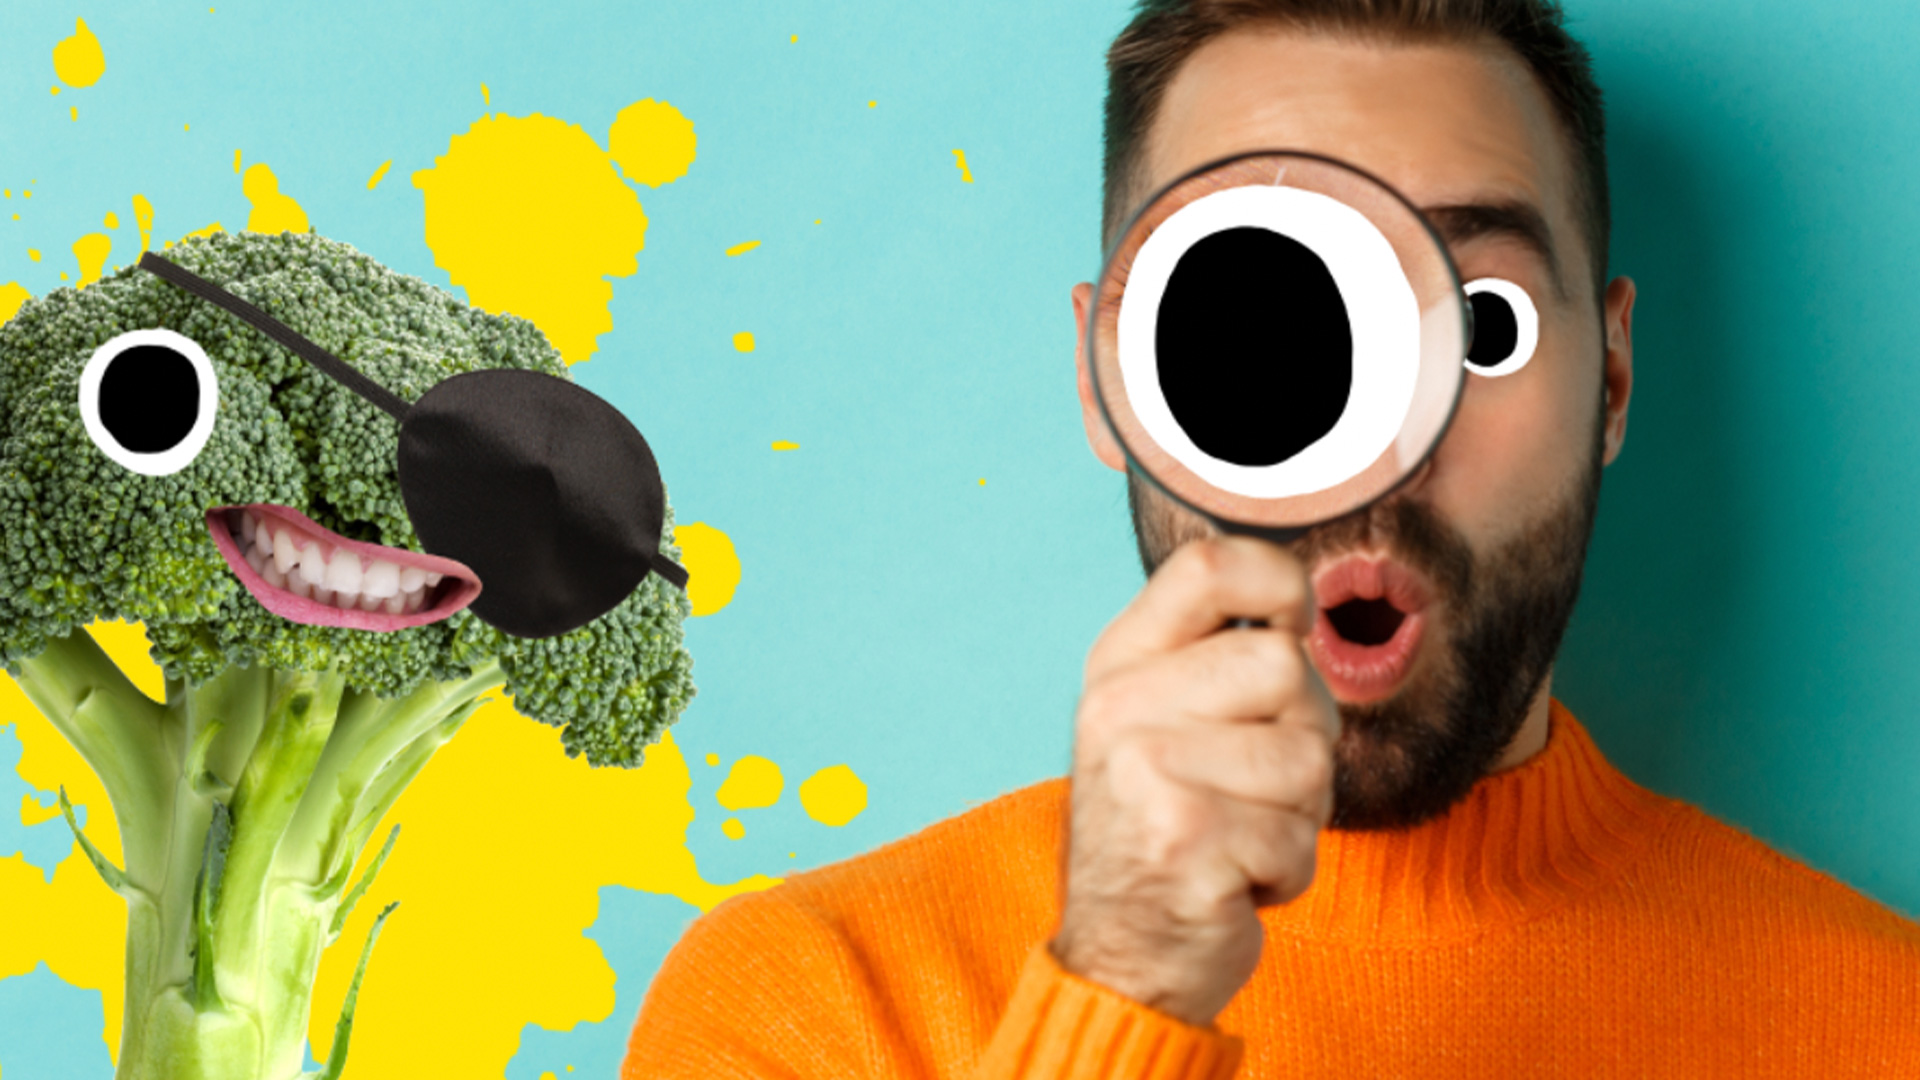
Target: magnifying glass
column 1278, row 340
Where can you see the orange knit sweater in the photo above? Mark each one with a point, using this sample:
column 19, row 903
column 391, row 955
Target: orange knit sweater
column 1560, row 921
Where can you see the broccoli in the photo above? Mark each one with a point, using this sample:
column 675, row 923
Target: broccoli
column 247, row 798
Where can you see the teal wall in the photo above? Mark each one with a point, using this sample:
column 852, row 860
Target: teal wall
column 1747, row 635
column 1750, row 609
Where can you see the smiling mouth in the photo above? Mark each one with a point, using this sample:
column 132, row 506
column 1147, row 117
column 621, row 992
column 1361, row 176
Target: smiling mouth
column 307, row 574
column 1368, row 631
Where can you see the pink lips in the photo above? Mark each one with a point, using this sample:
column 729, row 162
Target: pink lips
column 1360, row 674
column 446, row 586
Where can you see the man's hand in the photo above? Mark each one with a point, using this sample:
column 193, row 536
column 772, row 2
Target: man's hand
column 1202, row 775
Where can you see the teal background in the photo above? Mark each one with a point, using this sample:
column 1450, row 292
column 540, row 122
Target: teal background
column 1745, row 634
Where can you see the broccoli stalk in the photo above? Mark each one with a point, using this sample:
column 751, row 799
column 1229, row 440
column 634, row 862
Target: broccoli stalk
column 244, row 804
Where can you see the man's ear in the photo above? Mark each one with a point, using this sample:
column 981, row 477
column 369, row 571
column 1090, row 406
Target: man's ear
column 1619, row 361
column 1099, row 437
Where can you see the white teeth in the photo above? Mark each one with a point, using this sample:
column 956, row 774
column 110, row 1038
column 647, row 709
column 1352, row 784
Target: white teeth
column 285, row 555
column 343, row 572
column 286, row 560
column 313, row 563
column 382, row 580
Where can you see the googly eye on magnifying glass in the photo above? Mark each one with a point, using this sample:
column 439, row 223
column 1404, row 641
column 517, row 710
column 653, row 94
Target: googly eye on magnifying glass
column 1506, row 327
column 1276, row 341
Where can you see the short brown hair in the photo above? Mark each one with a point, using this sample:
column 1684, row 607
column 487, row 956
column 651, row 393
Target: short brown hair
column 1164, row 33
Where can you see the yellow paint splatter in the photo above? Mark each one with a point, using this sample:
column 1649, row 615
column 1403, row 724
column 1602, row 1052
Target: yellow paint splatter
column 834, row 795
column 12, row 295
column 983, row 481
column 27, row 194
column 713, row 568
column 112, row 220
column 92, row 250
column 752, row 783
column 9, row 192
column 545, row 890
column 236, row 163
column 143, row 216
column 486, row 95
column 742, row 249
column 186, row 127
column 743, row 341
column 545, row 893
column 793, row 37
column 713, row 759
column 379, row 172
column 527, row 214
column 652, row 143
column 32, row 813
column 960, row 159
column 63, row 276
column 73, row 112
column 78, row 60
column 272, row 211
column 733, row 828
column 34, row 254
column 56, row 89
column 782, row 444
column 816, row 221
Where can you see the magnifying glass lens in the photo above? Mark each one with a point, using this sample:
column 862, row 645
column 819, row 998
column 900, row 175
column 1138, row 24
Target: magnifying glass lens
column 1277, row 341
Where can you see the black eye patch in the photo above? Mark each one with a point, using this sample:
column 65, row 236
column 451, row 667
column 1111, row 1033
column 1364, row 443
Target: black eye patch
column 547, row 492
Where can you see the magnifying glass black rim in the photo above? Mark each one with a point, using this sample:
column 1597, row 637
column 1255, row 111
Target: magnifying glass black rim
column 1277, row 534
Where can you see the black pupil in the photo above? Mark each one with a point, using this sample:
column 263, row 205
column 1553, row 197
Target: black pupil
column 149, row 398
column 1495, row 330
column 1254, row 349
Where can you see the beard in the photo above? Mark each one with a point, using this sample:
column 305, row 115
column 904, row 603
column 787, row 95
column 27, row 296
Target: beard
column 1408, row 759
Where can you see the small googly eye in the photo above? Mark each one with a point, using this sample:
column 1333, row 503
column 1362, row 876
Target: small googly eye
column 148, row 399
column 1506, row 327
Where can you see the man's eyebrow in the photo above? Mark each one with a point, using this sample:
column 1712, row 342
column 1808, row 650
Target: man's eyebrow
column 1513, row 220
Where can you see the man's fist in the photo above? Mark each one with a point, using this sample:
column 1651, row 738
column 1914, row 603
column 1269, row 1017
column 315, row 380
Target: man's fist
column 1202, row 775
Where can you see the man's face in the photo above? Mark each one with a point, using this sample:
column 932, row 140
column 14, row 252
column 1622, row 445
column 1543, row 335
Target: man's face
column 1442, row 606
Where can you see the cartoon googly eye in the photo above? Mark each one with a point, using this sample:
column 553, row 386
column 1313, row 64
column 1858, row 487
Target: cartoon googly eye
column 148, row 399
column 1506, row 327
column 1269, row 340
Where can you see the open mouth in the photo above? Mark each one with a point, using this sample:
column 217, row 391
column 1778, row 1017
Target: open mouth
column 308, row 574
column 1369, row 627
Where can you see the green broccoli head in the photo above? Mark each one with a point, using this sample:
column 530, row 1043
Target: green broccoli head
column 82, row 537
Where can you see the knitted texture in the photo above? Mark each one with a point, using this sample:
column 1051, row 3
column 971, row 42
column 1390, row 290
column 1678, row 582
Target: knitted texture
column 1560, row 921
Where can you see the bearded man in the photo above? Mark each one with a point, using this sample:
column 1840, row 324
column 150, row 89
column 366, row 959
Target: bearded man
column 1358, row 837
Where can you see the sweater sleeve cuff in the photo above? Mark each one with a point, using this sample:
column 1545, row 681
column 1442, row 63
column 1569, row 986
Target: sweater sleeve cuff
column 1061, row 1027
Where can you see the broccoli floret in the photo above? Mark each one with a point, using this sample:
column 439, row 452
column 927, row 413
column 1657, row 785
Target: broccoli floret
column 246, row 799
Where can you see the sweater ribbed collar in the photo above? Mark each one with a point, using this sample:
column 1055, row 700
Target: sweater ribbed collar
column 1523, row 842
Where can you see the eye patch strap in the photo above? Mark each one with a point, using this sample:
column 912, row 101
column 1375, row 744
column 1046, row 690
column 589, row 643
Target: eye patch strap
column 330, row 365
